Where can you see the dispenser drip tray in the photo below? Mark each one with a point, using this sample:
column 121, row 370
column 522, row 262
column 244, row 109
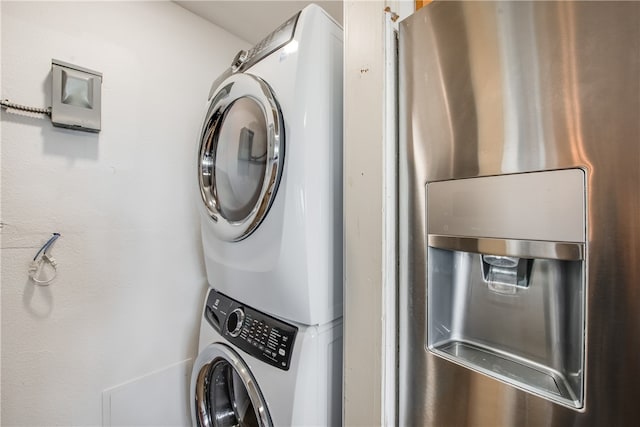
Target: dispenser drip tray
column 509, row 368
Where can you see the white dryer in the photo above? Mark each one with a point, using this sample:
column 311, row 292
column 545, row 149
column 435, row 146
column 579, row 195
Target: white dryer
column 256, row 370
column 270, row 173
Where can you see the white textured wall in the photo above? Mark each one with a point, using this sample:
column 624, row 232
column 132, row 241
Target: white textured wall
column 127, row 297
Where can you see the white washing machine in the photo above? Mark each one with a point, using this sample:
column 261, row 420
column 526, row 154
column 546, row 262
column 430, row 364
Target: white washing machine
column 270, row 173
column 256, row 370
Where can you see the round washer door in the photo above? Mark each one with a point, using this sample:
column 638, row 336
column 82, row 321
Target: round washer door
column 226, row 394
column 240, row 156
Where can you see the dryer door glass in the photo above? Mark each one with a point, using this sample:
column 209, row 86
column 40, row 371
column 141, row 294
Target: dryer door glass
column 241, row 156
column 241, row 159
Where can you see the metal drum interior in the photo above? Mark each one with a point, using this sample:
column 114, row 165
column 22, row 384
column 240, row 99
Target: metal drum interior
column 226, row 394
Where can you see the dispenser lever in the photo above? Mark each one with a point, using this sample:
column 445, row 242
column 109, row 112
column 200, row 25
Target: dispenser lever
column 505, row 274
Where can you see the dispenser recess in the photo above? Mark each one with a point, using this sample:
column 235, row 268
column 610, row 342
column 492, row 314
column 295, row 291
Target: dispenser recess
column 506, row 279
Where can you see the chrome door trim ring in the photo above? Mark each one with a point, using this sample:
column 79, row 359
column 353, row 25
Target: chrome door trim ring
column 205, row 361
column 235, row 87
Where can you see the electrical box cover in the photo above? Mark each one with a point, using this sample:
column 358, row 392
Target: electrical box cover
column 76, row 97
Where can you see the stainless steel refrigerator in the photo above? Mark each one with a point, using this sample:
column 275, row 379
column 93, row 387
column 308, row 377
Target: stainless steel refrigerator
column 519, row 298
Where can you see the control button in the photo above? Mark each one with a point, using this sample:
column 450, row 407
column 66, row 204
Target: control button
column 234, row 322
column 281, row 352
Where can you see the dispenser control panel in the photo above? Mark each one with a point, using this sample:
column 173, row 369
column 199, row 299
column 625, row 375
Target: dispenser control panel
column 262, row 336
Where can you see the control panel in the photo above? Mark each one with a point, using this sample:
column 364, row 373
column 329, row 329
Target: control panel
column 278, row 38
column 262, row 336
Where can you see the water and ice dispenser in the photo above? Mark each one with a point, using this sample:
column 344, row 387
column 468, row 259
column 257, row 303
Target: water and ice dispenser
column 506, row 279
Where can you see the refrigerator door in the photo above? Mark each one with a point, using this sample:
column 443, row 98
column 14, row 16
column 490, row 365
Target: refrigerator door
column 519, row 297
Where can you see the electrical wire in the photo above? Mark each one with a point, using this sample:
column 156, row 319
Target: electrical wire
column 5, row 103
column 47, row 245
column 40, row 260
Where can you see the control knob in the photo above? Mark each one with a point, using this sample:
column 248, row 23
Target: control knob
column 235, row 321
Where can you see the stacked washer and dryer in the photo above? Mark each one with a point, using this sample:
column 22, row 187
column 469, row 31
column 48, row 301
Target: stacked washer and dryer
column 270, row 175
